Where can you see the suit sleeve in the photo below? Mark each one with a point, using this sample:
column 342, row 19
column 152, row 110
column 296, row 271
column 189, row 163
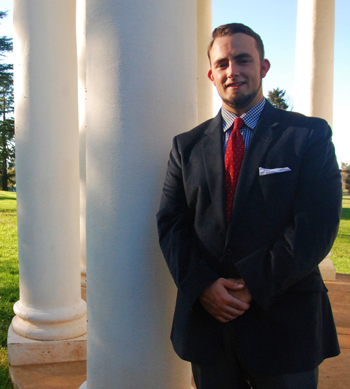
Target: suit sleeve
column 271, row 271
column 175, row 219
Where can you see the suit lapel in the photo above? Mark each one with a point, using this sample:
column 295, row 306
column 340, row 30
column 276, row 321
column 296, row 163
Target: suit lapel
column 212, row 148
column 258, row 146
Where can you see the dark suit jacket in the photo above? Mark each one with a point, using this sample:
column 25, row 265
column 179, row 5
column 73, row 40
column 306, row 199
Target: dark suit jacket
column 282, row 226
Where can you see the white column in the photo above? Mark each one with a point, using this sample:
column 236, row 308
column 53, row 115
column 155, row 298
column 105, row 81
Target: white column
column 47, row 142
column 313, row 95
column 315, row 58
column 81, row 49
column 205, row 88
column 141, row 91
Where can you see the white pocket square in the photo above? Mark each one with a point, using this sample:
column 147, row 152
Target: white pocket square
column 265, row 172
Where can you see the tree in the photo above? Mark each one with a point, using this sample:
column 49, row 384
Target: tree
column 7, row 128
column 7, row 134
column 5, row 43
column 276, row 98
column 345, row 172
column 5, row 47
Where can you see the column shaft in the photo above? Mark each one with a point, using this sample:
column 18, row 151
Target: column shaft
column 314, row 71
column 141, row 91
column 47, row 142
column 205, row 87
column 315, row 58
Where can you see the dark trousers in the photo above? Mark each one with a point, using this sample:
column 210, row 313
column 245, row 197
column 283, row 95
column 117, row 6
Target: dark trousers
column 230, row 371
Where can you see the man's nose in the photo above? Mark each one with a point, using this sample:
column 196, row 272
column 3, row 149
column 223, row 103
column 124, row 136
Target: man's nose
column 232, row 70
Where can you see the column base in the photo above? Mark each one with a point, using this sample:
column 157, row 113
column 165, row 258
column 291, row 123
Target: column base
column 50, row 324
column 327, row 269
column 67, row 375
column 24, row 351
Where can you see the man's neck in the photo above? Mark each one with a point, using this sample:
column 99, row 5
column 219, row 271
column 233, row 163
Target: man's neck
column 239, row 112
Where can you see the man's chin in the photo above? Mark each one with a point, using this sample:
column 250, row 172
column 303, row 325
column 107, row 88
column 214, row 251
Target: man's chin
column 241, row 102
column 238, row 103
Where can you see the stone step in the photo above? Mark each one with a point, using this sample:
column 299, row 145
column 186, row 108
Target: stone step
column 64, row 375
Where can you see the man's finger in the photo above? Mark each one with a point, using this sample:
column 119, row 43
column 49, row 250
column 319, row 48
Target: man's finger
column 235, row 284
column 238, row 304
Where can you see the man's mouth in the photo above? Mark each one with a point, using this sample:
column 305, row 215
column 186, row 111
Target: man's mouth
column 234, row 85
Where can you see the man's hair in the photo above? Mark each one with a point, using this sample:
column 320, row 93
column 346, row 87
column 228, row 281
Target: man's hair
column 235, row 28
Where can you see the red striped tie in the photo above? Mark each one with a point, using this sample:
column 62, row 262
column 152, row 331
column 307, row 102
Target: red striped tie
column 233, row 162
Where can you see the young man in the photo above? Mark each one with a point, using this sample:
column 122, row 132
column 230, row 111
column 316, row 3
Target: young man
column 251, row 205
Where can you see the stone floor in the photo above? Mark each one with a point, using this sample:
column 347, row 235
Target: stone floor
column 334, row 372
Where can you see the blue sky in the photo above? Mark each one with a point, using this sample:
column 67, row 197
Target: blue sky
column 275, row 21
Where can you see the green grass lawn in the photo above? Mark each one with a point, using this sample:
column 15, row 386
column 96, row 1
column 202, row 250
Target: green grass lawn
column 341, row 248
column 9, row 267
column 8, row 277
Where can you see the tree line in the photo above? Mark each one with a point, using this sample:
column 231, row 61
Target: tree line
column 7, row 124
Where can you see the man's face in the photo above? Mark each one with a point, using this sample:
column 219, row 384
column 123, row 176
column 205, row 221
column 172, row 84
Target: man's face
column 236, row 71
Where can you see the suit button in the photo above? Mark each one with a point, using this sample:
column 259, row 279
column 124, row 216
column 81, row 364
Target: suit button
column 228, row 252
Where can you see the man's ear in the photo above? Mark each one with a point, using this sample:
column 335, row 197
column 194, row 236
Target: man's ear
column 210, row 76
column 265, row 67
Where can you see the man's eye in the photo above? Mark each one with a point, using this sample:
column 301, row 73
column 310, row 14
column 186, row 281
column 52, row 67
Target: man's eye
column 243, row 61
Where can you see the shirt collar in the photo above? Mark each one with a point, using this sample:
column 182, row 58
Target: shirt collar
column 250, row 118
